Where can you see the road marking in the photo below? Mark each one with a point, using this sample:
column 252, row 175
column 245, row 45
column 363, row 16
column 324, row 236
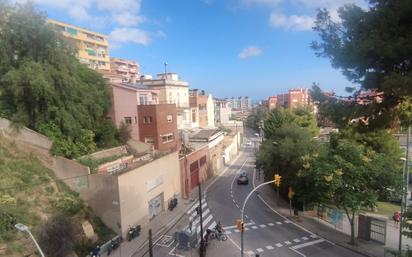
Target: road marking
column 305, row 238
column 308, row 244
column 271, row 224
column 296, row 240
column 313, row 236
column 246, row 229
column 254, row 227
column 279, row 223
column 251, row 252
column 228, row 232
column 288, row 221
column 237, row 230
column 279, row 245
column 246, row 224
column 213, row 225
column 288, row 243
column 296, row 251
column 173, row 254
column 259, row 250
column 262, row 225
column 269, row 247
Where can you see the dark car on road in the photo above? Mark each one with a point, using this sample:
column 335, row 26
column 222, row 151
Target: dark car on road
column 243, row 179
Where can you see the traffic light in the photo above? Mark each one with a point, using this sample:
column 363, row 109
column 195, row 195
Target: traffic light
column 240, row 225
column 278, row 180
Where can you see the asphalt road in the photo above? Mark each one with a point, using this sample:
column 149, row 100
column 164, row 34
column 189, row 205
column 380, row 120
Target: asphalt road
column 266, row 232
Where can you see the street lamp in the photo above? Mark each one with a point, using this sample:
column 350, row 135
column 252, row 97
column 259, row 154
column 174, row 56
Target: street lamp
column 405, row 185
column 242, row 212
column 24, row 228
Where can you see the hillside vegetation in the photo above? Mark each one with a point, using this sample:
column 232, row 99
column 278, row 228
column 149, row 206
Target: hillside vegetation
column 29, row 194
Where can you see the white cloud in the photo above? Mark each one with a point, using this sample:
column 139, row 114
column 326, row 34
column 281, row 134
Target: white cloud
column 250, row 51
column 261, row 2
column 293, row 22
column 129, row 35
column 128, row 19
column 79, row 13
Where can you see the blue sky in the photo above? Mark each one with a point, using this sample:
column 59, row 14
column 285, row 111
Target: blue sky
column 227, row 47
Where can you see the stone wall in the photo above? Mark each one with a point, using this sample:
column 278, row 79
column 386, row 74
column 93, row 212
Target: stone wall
column 24, row 135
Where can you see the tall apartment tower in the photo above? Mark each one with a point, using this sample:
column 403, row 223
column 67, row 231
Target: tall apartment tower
column 93, row 47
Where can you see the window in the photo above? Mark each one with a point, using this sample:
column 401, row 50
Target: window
column 147, row 119
column 149, row 140
column 71, row 31
column 166, row 138
column 128, row 120
column 169, row 118
column 143, row 99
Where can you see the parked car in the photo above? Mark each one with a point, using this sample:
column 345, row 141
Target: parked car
column 243, row 179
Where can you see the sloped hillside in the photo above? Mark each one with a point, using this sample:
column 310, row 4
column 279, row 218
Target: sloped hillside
column 29, row 194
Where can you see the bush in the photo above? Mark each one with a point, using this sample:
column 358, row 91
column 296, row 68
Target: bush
column 56, row 237
column 68, row 203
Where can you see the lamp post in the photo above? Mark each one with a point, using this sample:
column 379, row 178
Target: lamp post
column 24, row 228
column 243, row 210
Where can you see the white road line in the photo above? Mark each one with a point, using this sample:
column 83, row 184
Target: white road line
column 288, row 243
column 237, row 230
column 254, row 227
column 260, row 250
column 262, row 225
column 250, row 252
column 228, row 232
column 305, row 238
column 296, row 251
column 279, row 223
column 313, row 236
column 173, row 254
column 213, row 225
column 288, row 221
column 230, row 227
column 271, row 224
column 308, row 244
column 296, row 240
column 269, row 247
column 279, row 245
column 246, row 229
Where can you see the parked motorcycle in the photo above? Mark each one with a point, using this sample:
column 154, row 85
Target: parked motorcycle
column 95, row 252
column 114, row 244
column 215, row 234
column 133, row 232
column 172, row 203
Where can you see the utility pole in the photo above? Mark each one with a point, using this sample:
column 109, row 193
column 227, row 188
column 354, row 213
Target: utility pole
column 405, row 186
column 202, row 250
column 150, row 243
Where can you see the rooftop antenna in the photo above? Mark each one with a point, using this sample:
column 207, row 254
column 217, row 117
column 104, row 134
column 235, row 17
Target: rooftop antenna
column 165, row 69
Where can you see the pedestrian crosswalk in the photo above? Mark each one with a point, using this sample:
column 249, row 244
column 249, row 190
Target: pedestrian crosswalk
column 194, row 218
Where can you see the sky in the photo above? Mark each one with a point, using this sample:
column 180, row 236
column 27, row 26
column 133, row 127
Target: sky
column 254, row 48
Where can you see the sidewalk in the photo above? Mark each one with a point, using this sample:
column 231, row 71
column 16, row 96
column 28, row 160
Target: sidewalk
column 366, row 248
column 165, row 221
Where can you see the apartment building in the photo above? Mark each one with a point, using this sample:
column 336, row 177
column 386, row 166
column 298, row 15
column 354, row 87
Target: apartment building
column 243, row 104
column 128, row 71
column 93, row 47
column 198, row 101
column 125, row 101
column 294, row 98
column 172, row 91
column 223, row 111
column 272, row 102
column 158, row 125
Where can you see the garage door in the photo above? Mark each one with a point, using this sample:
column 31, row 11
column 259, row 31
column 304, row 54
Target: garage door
column 194, row 174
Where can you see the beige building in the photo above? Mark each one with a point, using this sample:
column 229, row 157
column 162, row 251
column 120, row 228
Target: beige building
column 210, row 108
column 93, row 47
column 172, row 91
column 127, row 71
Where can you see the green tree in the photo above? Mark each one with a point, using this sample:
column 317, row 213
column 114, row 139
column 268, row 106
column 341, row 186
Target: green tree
column 349, row 175
column 42, row 82
column 257, row 115
column 372, row 48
